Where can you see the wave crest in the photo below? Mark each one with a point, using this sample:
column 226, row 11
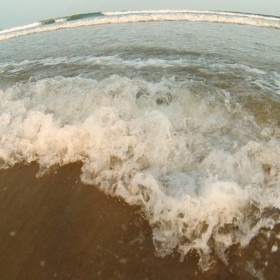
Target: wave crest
column 141, row 16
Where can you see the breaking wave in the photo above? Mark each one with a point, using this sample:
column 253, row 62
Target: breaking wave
column 80, row 20
column 203, row 171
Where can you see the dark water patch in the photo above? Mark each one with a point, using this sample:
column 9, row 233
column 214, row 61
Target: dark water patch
column 83, row 16
column 47, row 21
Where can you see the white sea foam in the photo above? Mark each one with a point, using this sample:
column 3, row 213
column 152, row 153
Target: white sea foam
column 139, row 63
column 191, row 12
column 149, row 16
column 18, row 28
column 193, row 165
column 60, row 20
column 268, row 81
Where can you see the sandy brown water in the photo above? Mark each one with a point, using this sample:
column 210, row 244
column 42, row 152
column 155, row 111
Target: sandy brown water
column 55, row 227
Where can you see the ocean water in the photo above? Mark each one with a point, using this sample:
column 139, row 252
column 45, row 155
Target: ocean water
column 174, row 111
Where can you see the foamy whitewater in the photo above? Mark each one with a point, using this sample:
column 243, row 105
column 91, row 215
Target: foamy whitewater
column 140, row 16
column 179, row 117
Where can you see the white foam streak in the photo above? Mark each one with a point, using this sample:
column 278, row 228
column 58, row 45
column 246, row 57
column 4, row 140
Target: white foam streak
column 60, row 20
column 151, row 16
column 18, row 28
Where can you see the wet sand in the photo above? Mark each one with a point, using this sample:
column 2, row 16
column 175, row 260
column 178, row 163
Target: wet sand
column 55, row 227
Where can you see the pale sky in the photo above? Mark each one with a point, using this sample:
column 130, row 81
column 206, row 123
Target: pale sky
column 20, row 12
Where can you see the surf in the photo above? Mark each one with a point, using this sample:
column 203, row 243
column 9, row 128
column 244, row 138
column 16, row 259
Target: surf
column 99, row 18
column 193, row 183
